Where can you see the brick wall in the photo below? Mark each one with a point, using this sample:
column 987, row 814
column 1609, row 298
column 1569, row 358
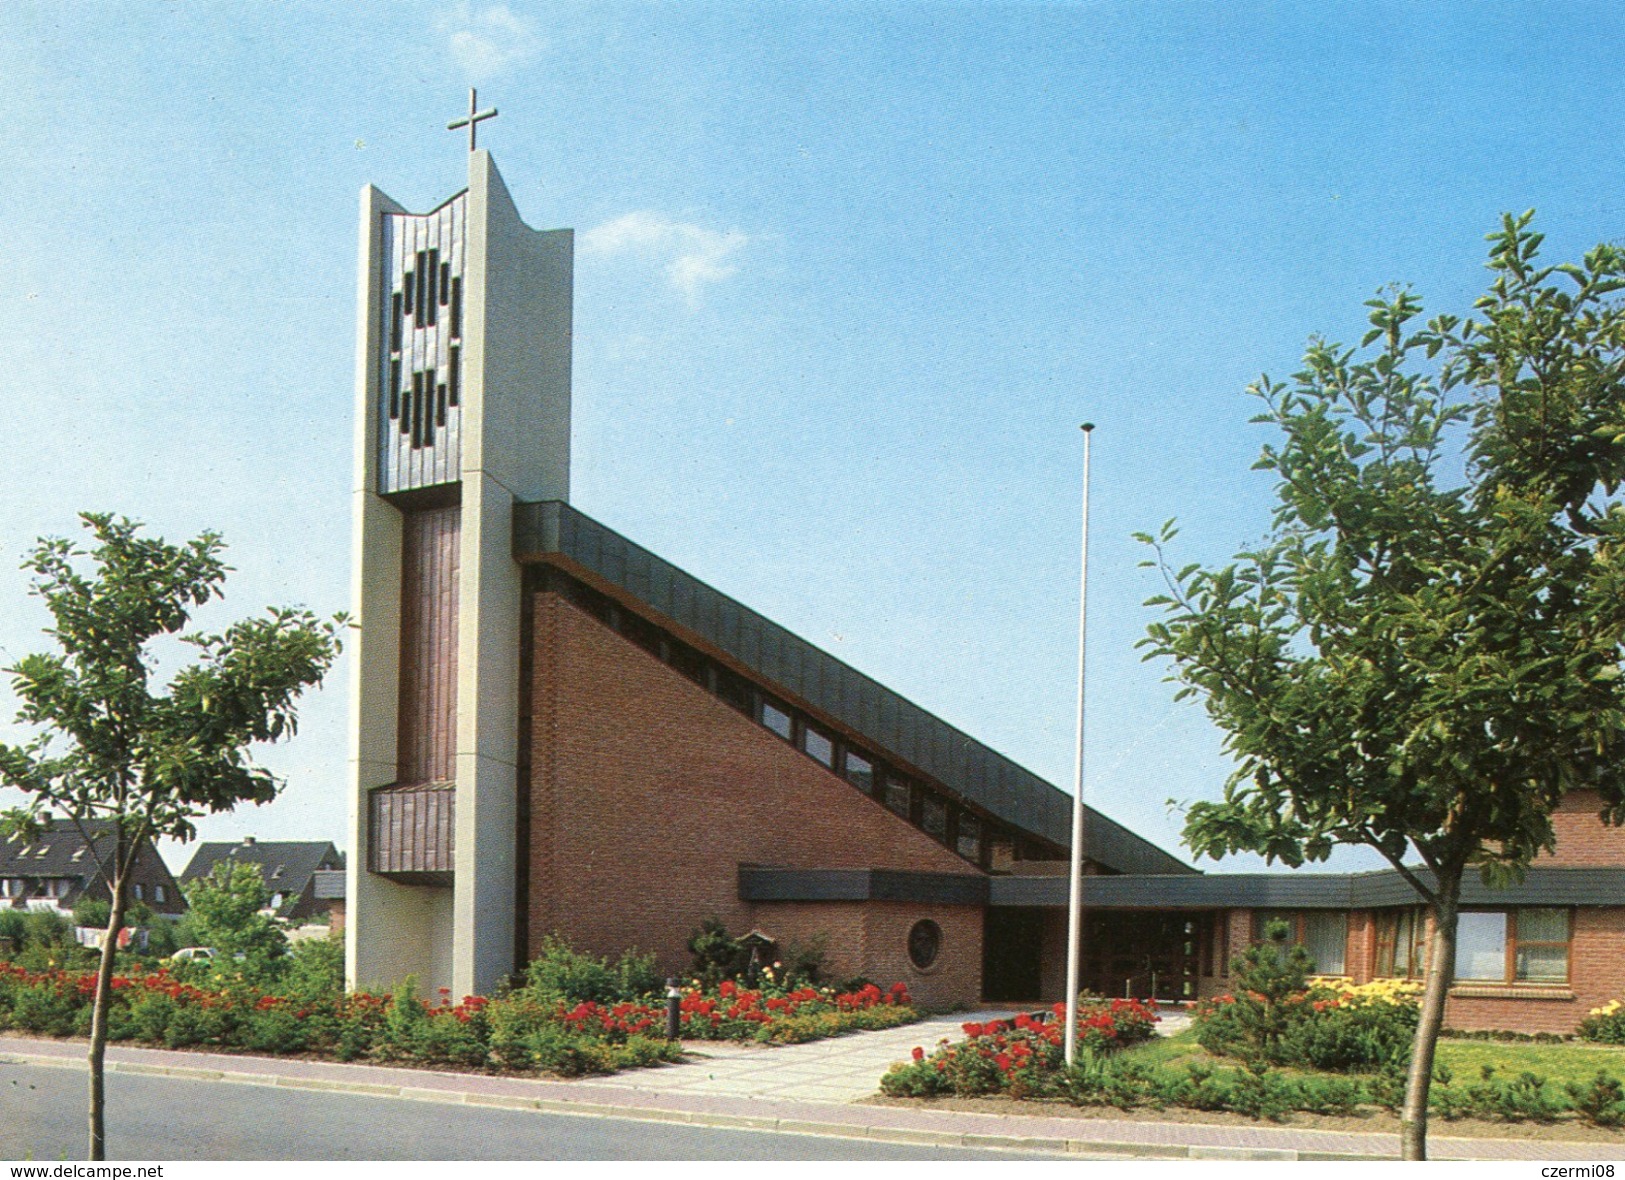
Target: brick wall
column 647, row 793
column 1582, row 839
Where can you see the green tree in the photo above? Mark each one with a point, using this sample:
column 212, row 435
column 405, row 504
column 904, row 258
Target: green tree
column 224, row 911
column 111, row 750
column 1424, row 653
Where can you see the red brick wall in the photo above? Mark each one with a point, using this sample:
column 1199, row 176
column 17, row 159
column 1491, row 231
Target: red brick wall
column 647, row 793
column 1583, row 839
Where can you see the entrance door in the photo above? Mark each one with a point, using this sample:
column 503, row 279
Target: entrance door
column 1143, row 955
column 1012, row 945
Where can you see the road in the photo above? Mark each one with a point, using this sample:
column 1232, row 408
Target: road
column 42, row 1117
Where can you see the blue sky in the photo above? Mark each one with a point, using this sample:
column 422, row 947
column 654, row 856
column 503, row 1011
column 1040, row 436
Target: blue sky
column 848, row 278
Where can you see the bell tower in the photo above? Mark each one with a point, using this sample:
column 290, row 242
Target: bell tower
column 462, row 409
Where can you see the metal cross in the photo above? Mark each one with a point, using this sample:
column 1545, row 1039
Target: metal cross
column 472, row 119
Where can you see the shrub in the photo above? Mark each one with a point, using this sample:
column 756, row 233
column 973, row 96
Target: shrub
column 565, row 973
column 1600, row 1102
column 1605, row 1025
column 1271, row 981
column 803, row 963
column 718, row 955
column 92, row 911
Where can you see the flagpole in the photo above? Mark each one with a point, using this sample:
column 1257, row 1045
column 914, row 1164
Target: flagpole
column 1074, row 907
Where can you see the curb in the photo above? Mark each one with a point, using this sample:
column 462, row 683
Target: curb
column 740, row 1122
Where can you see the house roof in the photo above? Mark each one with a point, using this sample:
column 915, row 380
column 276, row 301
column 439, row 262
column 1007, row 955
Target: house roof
column 552, row 531
column 330, row 885
column 1599, row 886
column 1308, row 891
column 286, row 866
column 61, row 852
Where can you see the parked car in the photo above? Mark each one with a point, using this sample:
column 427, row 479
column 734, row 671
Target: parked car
column 194, row 954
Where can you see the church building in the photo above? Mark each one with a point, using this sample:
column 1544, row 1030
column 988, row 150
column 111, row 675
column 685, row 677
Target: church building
column 554, row 730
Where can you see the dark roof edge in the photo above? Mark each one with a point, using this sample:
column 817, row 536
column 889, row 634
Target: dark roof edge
column 553, row 529
column 770, row 884
column 1599, row 886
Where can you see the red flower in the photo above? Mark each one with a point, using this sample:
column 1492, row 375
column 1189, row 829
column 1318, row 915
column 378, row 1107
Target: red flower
column 919, row 1053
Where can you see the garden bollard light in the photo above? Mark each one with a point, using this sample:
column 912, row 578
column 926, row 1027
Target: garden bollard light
column 674, row 997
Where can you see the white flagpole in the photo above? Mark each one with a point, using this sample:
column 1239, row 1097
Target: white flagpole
column 1074, row 907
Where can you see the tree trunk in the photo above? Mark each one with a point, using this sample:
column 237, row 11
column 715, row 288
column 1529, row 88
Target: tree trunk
column 1441, row 973
column 98, row 1022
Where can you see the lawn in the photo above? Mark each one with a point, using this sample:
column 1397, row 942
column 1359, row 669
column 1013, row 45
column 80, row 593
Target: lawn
column 1569, row 1061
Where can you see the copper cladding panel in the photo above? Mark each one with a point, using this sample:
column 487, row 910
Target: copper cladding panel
column 428, row 700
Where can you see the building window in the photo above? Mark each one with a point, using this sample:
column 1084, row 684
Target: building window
column 1399, row 944
column 1323, row 933
column 57, row 887
column 12, row 887
column 140, row 891
column 1541, row 950
column 970, row 836
column 735, row 690
column 860, row 772
column 689, row 662
column 1481, row 947
column 777, row 718
column 1517, row 946
column 158, row 894
column 897, row 795
column 934, row 817
column 641, row 632
column 819, row 746
column 924, row 944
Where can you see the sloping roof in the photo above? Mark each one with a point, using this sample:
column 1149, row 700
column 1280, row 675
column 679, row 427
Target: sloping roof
column 61, row 852
column 330, row 885
column 297, row 860
column 551, row 530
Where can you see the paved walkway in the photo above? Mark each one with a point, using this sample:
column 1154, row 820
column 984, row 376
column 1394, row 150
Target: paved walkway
column 806, row 1089
column 841, row 1069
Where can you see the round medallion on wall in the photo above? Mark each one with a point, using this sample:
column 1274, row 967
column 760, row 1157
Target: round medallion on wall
column 924, row 944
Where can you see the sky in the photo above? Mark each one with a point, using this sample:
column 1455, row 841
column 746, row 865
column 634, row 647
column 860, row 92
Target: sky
column 848, row 278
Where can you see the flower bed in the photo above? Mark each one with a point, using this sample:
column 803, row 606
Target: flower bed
column 524, row 1030
column 1021, row 1057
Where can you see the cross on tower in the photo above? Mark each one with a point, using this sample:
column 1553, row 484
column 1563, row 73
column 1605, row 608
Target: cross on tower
column 472, row 119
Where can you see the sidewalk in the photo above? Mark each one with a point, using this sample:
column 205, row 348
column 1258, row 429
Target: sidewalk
column 808, row 1089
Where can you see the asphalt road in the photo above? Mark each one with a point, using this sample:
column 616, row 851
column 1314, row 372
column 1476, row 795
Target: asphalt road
column 42, row 1117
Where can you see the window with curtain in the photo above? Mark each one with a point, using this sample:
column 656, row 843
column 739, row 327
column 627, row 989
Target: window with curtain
column 1323, row 933
column 1400, row 939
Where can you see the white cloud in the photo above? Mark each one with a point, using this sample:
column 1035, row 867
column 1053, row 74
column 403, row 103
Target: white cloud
column 690, row 255
column 486, row 41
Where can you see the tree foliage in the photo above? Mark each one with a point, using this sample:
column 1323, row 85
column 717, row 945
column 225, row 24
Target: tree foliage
column 109, row 748
column 225, row 910
column 1424, row 653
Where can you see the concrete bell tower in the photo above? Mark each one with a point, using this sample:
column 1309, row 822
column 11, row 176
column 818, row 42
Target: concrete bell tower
column 462, row 408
